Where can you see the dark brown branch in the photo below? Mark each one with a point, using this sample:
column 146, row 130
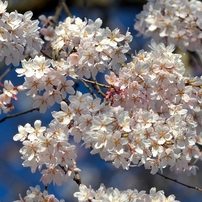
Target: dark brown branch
column 57, row 13
column 17, row 114
column 183, row 184
column 6, row 72
column 63, row 168
column 77, row 178
column 46, row 55
column 65, row 8
column 97, row 87
column 96, row 83
column 61, row 6
column 88, row 87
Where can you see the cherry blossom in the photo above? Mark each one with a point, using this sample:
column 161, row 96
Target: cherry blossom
column 95, row 48
column 34, row 194
column 112, row 194
column 149, row 113
column 19, row 35
column 49, row 147
column 172, row 21
column 41, row 77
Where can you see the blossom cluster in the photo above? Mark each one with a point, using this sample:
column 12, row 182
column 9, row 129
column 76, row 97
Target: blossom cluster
column 152, row 117
column 19, row 35
column 151, row 114
column 88, row 47
column 48, row 150
column 47, row 81
column 164, row 112
column 172, row 21
column 86, row 194
column 82, row 49
column 34, row 194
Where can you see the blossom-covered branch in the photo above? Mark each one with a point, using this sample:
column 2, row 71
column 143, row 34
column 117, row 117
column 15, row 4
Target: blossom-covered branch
column 149, row 115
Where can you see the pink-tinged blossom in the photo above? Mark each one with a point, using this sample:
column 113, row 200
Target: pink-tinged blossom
column 112, row 79
column 9, row 89
column 48, row 33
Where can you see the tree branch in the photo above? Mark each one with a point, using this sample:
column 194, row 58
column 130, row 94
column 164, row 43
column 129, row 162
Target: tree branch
column 65, row 8
column 17, row 114
column 6, row 72
column 96, row 85
column 57, row 13
column 88, row 87
column 77, row 177
column 176, row 181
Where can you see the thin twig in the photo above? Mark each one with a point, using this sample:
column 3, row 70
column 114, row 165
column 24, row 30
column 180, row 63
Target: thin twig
column 46, row 55
column 6, row 72
column 77, row 178
column 88, row 87
column 113, row 70
column 63, row 168
column 96, row 83
column 17, row 114
column 57, row 14
column 183, row 184
column 65, row 8
column 97, row 87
